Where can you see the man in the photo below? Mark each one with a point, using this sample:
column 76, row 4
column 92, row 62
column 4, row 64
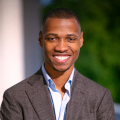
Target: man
column 0, row 116
column 57, row 91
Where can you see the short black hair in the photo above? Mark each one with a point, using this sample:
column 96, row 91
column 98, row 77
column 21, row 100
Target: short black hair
column 61, row 13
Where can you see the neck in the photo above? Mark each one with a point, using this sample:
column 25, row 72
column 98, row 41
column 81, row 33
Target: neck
column 59, row 78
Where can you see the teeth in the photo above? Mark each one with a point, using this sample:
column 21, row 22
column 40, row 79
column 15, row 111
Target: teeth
column 61, row 58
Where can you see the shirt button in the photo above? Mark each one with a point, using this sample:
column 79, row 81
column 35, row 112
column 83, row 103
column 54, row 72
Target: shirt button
column 52, row 83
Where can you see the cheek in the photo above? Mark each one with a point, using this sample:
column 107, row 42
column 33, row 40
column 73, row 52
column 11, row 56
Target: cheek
column 76, row 51
column 75, row 48
column 47, row 49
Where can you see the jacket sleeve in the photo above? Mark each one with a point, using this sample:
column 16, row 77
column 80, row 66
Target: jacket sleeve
column 105, row 109
column 1, row 116
column 10, row 109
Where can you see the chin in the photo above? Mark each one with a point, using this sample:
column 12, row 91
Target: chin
column 61, row 69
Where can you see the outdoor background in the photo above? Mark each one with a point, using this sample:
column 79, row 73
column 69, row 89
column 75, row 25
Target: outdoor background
column 99, row 57
column 20, row 53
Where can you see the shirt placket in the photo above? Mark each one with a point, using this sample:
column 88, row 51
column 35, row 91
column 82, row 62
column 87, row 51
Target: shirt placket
column 65, row 100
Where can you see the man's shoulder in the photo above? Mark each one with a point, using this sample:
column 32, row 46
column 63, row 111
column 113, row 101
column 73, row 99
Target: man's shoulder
column 93, row 91
column 90, row 86
column 26, row 83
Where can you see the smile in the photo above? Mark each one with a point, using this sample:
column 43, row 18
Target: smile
column 61, row 58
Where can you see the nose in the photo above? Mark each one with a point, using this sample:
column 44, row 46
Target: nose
column 61, row 46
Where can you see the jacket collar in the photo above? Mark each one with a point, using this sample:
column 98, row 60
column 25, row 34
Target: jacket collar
column 38, row 94
column 39, row 97
column 78, row 96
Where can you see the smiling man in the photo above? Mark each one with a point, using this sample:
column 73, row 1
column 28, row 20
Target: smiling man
column 58, row 91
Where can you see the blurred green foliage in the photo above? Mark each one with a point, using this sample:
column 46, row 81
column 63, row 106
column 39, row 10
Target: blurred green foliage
column 99, row 58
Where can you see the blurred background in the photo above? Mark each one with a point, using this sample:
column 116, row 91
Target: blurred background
column 99, row 60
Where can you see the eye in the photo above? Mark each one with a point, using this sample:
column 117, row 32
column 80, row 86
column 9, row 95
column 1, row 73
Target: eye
column 52, row 39
column 71, row 39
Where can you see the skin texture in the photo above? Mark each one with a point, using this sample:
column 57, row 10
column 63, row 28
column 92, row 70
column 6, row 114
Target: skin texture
column 60, row 38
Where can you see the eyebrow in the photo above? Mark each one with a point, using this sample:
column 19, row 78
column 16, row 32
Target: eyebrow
column 57, row 34
column 71, row 35
column 51, row 34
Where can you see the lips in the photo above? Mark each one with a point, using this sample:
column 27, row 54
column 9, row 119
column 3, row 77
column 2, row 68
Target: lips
column 61, row 58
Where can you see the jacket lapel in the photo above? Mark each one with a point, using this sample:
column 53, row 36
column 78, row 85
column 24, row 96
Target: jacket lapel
column 78, row 96
column 39, row 97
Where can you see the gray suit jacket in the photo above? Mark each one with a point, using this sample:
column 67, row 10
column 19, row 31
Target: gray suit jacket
column 30, row 100
column 1, row 116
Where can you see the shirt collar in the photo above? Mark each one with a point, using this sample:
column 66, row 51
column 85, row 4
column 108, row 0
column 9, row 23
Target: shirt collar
column 49, row 80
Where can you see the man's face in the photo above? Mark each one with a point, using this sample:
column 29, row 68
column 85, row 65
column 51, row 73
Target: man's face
column 61, row 40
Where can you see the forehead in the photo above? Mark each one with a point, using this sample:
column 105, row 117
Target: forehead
column 63, row 25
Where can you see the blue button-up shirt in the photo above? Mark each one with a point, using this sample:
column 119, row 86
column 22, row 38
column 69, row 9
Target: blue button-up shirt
column 58, row 103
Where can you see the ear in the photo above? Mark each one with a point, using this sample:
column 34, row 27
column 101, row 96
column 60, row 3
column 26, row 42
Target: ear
column 81, row 39
column 40, row 39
